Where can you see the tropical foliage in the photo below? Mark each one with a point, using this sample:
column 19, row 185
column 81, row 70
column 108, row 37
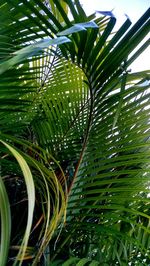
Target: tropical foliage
column 75, row 147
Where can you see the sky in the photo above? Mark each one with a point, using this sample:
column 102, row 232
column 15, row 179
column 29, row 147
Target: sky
column 134, row 9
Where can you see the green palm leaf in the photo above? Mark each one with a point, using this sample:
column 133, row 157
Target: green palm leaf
column 80, row 104
column 5, row 224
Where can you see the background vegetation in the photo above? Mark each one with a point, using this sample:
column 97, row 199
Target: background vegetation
column 75, row 147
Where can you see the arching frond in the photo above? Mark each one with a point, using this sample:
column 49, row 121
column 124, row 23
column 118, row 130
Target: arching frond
column 67, row 93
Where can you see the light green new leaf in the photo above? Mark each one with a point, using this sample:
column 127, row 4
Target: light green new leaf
column 78, row 27
column 5, row 224
column 31, row 50
column 31, row 198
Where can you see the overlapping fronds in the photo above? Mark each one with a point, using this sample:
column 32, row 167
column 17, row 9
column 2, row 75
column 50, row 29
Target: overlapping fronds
column 42, row 199
column 67, row 93
column 117, row 154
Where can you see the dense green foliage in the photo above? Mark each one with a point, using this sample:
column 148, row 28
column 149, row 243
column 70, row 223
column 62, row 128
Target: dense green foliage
column 74, row 137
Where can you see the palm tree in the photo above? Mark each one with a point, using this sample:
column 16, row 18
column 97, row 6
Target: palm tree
column 74, row 187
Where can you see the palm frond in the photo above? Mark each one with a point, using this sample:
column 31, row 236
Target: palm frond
column 76, row 102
